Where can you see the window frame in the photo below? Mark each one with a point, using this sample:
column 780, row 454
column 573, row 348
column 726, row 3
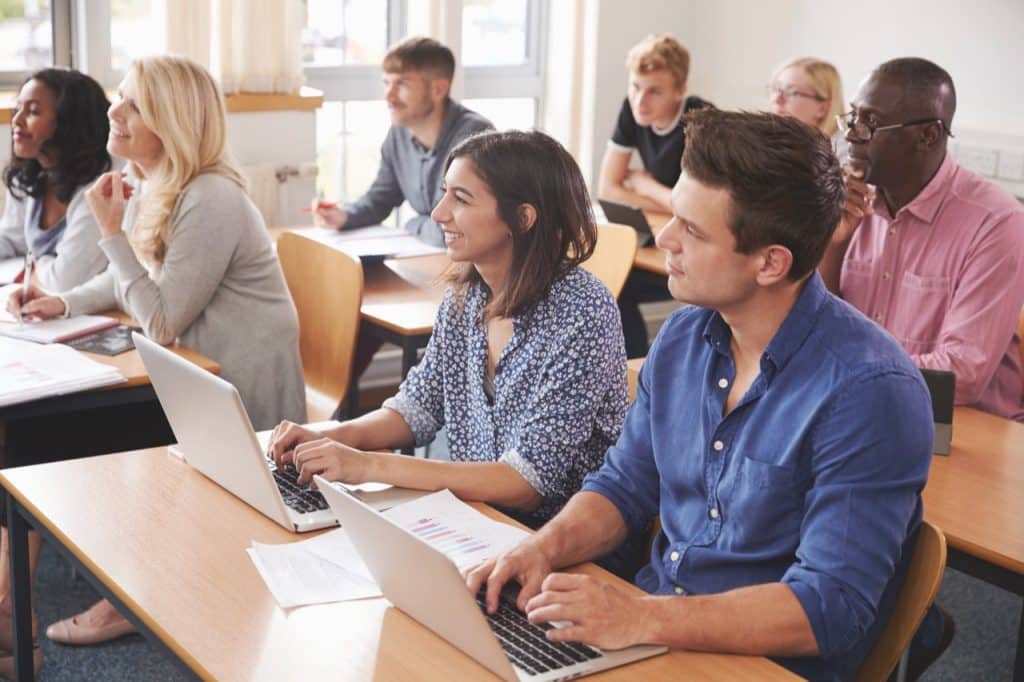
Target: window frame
column 60, row 36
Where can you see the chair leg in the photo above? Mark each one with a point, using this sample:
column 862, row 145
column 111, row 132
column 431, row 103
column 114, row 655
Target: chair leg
column 901, row 669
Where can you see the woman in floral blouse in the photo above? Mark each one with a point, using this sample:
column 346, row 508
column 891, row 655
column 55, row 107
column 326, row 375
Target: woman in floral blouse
column 526, row 366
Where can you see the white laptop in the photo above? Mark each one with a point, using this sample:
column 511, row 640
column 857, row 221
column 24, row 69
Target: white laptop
column 216, row 437
column 434, row 593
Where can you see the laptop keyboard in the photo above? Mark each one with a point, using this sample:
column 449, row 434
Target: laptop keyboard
column 302, row 499
column 525, row 642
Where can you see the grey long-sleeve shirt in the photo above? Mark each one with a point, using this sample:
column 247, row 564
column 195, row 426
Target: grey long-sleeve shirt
column 77, row 257
column 219, row 291
column 410, row 172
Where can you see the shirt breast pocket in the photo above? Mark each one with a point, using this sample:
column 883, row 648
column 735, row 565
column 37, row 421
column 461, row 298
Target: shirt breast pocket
column 919, row 309
column 770, row 499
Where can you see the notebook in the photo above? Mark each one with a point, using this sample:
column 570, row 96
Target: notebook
column 58, row 330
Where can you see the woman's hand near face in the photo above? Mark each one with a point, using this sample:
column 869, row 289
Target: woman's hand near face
column 107, row 198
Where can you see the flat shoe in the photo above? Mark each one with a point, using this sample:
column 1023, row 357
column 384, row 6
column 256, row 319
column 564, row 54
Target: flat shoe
column 78, row 630
column 7, row 662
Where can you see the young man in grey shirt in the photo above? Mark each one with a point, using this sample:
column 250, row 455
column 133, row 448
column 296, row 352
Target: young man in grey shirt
column 426, row 125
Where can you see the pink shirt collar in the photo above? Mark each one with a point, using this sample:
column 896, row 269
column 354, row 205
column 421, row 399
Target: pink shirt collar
column 928, row 201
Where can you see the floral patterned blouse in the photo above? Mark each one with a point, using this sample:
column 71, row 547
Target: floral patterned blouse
column 559, row 387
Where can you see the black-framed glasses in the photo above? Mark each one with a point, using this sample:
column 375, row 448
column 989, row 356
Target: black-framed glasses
column 866, row 131
column 774, row 92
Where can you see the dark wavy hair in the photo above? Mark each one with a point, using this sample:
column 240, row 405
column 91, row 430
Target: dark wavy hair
column 531, row 168
column 78, row 143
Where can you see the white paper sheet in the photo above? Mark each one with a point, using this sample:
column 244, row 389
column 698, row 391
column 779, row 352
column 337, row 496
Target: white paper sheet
column 451, row 526
column 297, row 575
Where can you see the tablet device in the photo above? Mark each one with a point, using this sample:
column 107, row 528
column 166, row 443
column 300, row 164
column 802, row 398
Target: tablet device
column 624, row 214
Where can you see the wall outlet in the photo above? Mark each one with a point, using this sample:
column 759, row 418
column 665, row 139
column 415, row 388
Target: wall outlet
column 1011, row 165
column 984, row 160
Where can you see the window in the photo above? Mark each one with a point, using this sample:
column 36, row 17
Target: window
column 26, row 38
column 345, row 40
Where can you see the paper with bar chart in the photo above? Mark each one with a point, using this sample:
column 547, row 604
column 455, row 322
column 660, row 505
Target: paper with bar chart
column 451, row 526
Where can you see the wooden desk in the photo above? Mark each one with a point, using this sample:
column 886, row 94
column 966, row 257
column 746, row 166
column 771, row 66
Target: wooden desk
column 174, row 562
column 976, row 496
column 107, row 419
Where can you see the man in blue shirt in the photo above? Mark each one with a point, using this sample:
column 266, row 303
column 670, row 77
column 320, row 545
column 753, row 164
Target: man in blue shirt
column 782, row 437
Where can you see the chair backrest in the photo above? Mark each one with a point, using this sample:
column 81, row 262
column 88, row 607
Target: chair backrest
column 327, row 287
column 918, row 593
column 613, row 256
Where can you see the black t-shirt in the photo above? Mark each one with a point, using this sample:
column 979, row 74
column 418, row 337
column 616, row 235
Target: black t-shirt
column 661, row 154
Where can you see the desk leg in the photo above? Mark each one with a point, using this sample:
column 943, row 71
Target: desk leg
column 21, row 591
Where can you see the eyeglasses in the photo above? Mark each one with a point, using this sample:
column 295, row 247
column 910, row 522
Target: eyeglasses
column 866, row 131
column 774, row 92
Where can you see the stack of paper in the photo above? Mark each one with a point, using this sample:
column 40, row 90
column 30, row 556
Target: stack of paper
column 29, row 371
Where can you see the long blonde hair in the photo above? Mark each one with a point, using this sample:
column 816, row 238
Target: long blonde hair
column 827, row 84
column 179, row 101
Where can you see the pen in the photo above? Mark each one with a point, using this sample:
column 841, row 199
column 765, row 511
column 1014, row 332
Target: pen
column 26, row 281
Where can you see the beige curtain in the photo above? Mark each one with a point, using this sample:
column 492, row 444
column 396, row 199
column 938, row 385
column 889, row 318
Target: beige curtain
column 249, row 45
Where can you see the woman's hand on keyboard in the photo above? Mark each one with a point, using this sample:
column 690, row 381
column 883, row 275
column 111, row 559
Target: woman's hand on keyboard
column 287, row 435
column 331, row 460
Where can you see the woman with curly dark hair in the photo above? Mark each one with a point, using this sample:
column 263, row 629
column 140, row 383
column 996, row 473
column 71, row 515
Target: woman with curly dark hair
column 58, row 147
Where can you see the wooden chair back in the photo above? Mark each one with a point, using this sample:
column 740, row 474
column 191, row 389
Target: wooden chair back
column 327, row 287
column 918, row 593
column 613, row 256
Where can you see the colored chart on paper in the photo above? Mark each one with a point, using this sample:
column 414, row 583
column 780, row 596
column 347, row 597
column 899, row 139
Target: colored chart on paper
column 456, row 545
column 455, row 529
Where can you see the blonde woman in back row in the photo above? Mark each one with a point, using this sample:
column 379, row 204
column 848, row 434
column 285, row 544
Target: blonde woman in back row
column 810, row 90
column 198, row 267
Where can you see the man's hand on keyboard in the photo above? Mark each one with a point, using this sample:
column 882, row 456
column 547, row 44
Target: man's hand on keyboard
column 601, row 615
column 525, row 563
column 286, row 436
column 330, row 459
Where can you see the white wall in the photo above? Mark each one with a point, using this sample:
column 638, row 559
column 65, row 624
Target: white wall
column 736, row 44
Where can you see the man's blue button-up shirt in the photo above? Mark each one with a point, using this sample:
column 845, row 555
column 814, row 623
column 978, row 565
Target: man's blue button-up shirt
column 813, row 479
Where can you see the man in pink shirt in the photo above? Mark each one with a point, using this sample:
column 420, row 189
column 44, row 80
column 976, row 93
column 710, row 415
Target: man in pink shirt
column 928, row 249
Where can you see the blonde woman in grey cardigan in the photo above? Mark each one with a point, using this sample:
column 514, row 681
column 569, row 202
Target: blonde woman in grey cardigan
column 199, row 266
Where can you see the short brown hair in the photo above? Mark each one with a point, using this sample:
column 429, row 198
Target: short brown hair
column 784, row 181
column 523, row 167
column 660, row 51
column 417, row 53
